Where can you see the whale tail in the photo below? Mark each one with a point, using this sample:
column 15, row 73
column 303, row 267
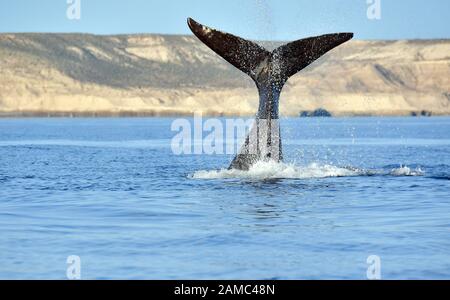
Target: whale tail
column 270, row 71
column 251, row 58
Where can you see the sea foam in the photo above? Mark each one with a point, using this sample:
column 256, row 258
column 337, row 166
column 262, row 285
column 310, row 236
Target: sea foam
column 406, row 171
column 273, row 170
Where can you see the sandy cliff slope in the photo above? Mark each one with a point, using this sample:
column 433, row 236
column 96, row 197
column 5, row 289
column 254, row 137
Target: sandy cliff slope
column 77, row 74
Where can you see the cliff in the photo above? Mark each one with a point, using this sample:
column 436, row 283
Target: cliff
column 81, row 74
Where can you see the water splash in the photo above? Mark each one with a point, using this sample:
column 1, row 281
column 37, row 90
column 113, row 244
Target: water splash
column 272, row 170
column 406, row 171
column 263, row 20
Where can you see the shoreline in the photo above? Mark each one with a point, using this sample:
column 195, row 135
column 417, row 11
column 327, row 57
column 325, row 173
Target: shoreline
column 152, row 114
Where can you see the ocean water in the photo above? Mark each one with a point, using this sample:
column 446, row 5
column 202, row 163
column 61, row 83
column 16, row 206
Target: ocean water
column 112, row 192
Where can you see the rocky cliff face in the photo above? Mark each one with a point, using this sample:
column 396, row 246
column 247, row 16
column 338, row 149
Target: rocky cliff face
column 77, row 74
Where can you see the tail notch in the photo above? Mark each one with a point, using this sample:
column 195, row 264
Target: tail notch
column 252, row 59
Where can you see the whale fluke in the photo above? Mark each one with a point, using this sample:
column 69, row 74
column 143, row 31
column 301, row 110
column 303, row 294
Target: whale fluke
column 270, row 71
column 297, row 55
column 244, row 55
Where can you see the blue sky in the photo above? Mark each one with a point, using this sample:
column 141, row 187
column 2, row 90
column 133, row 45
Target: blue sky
column 256, row 19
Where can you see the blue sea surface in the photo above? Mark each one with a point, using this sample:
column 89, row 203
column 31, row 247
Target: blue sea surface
column 111, row 191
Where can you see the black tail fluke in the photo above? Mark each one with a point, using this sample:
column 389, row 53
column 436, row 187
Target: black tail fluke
column 251, row 58
column 243, row 54
column 295, row 56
